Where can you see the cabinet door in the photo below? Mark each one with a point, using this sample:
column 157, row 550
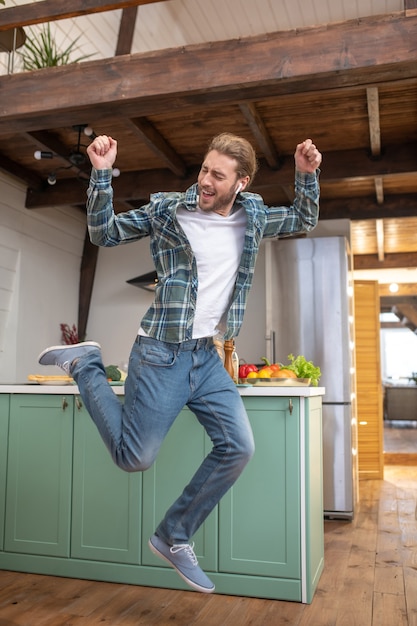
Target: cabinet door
column 38, row 493
column 106, row 500
column 181, row 454
column 259, row 518
column 4, row 429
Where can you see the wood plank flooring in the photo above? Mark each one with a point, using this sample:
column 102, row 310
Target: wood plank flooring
column 400, row 437
column 370, row 579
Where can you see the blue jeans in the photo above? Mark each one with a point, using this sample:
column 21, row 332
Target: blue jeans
column 162, row 379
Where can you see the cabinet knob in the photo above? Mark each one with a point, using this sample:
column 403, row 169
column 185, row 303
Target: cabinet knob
column 78, row 403
column 290, row 406
column 64, row 403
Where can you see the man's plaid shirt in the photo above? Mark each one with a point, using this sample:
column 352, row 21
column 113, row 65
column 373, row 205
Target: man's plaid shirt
column 170, row 317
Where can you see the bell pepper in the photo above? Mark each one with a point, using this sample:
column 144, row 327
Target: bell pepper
column 270, row 368
column 245, row 368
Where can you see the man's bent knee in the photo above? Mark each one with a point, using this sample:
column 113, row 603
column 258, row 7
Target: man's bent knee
column 131, row 463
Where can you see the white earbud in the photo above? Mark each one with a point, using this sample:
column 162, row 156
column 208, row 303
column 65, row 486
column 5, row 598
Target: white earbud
column 238, row 188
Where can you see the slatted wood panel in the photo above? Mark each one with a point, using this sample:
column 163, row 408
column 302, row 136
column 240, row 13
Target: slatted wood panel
column 369, row 384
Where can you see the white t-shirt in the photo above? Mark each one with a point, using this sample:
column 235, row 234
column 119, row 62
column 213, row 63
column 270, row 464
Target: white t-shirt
column 217, row 243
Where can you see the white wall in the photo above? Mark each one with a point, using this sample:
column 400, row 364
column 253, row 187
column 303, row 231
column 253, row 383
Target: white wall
column 251, row 343
column 40, row 259
column 40, row 263
column 44, row 246
column 116, row 307
column 398, row 354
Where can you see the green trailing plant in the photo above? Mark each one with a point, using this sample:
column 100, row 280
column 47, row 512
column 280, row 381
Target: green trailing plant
column 40, row 50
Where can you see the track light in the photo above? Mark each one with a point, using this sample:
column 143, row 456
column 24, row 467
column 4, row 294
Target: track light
column 89, row 132
column 43, row 154
column 77, row 156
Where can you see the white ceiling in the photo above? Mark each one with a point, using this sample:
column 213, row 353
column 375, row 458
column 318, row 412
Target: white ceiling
column 176, row 23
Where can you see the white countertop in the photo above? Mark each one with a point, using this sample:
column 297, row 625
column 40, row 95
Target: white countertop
column 250, row 390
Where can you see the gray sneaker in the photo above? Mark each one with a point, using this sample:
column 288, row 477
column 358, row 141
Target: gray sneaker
column 64, row 356
column 183, row 559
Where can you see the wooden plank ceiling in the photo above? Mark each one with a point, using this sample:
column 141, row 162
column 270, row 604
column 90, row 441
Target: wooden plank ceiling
column 351, row 86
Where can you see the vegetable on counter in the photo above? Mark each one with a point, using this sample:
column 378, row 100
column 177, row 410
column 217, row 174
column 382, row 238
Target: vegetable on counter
column 269, row 370
column 304, row 368
column 298, row 367
column 115, row 374
column 246, row 368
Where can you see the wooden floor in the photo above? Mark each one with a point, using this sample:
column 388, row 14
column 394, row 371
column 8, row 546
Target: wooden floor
column 370, row 579
column 400, row 437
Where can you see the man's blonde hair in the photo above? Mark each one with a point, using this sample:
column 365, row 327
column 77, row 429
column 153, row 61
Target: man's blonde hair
column 240, row 150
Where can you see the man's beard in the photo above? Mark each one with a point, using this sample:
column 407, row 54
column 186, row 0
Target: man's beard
column 221, row 202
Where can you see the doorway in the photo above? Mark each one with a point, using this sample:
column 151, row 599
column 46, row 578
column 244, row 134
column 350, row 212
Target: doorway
column 399, row 376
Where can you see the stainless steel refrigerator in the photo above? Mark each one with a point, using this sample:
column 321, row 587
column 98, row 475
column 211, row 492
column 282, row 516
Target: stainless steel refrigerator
column 309, row 291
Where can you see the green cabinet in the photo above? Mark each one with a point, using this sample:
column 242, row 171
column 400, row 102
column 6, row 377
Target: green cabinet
column 4, row 430
column 265, row 538
column 181, row 453
column 64, row 496
column 106, row 504
column 260, row 516
column 68, row 510
column 38, row 493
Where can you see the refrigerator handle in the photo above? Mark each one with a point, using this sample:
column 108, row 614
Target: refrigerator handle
column 270, row 346
column 269, row 304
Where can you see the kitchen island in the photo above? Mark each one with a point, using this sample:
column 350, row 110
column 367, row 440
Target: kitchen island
column 67, row 510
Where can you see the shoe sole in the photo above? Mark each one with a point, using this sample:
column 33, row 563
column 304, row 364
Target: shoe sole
column 185, row 579
column 93, row 344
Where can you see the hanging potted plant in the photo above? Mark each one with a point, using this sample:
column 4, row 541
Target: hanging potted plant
column 10, row 40
column 40, row 50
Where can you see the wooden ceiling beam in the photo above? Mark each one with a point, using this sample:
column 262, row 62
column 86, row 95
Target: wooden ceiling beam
column 341, row 167
column 307, row 60
column 372, row 97
column 261, row 135
column 44, row 140
column 135, row 186
column 379, row 189
column 52, row 10
column 404, row 289
column 126, row 31
column 363, row 208
column 379, row 226
column 159, row 146
column 347, row 165
column 20, row 172
column 87, row 275
column 391, row 261
column 129, row 187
